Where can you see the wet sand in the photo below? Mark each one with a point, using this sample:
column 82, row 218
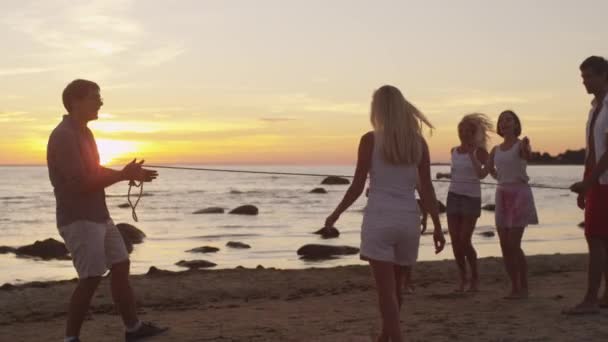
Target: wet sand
column 333, row 304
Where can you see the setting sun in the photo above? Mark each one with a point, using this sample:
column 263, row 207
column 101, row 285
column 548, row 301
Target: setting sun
column 112, row 151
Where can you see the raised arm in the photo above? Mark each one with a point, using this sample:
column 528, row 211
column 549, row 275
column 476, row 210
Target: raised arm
column 525, row 150
column 364, row 158
column 479, row 157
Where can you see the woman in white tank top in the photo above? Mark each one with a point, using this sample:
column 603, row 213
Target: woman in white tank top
column 514, row 201
column 396, row 157
column 464, row 195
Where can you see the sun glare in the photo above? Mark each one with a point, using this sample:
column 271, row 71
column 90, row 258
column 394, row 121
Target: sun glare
column 112, row 151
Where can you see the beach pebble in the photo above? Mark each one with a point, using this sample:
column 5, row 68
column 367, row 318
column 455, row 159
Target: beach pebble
column 314, row 251
column 487, row 234
column 195, row 264
column 204, row 249
column 245, row 210
column 318, row 191
column 211, row 210
column 124, row 205
column 236, row 244
column 328, row 232
column 47, row 249
column 333, row 180
column 489, row 207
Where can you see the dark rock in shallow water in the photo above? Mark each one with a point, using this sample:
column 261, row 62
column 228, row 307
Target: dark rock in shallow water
column 441, row 175
column 204, row 249
column 7, row 249
column 124, row 205
column 153, row 271
column 487, row 234
column 334, row 180
column 245, row 210
column 211, row 210
column 47, row 249
column 131, row 233
column 328, row 232
column 489, row 207
column 7, row 287
column 236, row 244
column 195, row 264
column 318, row 252
column 318, row 191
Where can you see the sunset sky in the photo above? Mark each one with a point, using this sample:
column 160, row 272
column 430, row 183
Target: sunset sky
column 289, row 82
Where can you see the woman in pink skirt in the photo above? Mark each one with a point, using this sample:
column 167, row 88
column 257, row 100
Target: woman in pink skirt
column 514, row 201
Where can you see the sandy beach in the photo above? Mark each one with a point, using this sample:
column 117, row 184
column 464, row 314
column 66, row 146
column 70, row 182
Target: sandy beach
column 334, row 304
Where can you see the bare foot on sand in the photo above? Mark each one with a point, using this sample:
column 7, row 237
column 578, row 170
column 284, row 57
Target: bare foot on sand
column 517, row 294
column 583, row 309
column 474, row 287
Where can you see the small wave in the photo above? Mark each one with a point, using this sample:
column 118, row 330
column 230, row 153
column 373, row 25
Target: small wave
column 133, row 194
column 8, row 198
column 248, row 192
column 219, row 236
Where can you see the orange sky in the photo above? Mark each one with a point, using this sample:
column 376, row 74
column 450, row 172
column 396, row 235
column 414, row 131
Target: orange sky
column 273, row 83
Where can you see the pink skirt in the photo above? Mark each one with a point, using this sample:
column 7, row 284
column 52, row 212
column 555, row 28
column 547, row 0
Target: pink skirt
column 515, row 206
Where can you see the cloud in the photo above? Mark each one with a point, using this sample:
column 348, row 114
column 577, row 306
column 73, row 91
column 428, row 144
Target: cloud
column 24, row 70
column 160, row 55
column 276, row 119
column 11, row 117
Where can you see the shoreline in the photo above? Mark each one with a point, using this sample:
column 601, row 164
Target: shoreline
column 320, row 304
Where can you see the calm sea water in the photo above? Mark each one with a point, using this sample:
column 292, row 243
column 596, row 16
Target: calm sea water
column 288, row 215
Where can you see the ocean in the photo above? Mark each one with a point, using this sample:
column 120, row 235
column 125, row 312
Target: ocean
column 288, row 214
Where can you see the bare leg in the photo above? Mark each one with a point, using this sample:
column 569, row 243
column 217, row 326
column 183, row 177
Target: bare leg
column 597, row 266
column 604, row 301
column 398, row 281
column 79, row 304
column 384, row 275
column 506, row 255
column 455, row 229
column 519, row 261
column 468, row 226
column 407, row 283
column 122, row 293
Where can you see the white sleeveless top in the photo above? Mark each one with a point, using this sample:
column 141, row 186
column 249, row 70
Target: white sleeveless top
column 392, row 187
column 463, row 175
column 510, row 167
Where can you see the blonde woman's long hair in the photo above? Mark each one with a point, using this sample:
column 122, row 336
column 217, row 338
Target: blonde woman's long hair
column 483, row 126
column 399, row 123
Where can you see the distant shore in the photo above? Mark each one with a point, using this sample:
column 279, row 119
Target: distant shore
column 334, row 304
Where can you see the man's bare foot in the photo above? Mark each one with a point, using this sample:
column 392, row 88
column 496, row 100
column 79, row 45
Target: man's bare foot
column 583, row 308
